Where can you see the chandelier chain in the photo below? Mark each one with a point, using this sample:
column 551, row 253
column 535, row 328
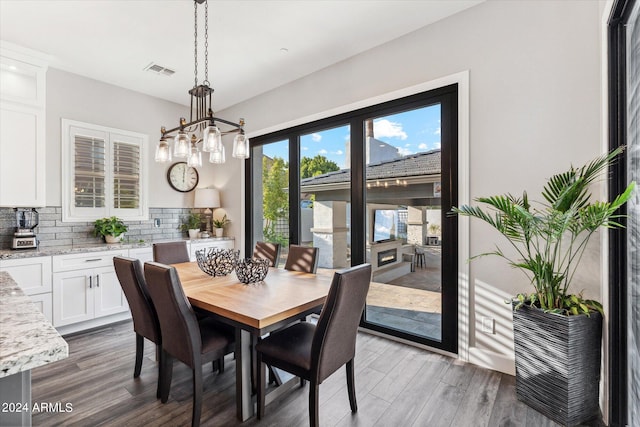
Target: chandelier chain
column 206, row 43
column 195, row 42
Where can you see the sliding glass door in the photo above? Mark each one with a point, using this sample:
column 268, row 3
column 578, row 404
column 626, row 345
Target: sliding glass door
column 375, row 185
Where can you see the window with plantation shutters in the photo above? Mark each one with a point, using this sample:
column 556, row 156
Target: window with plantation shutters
column 89, row 167
column 126, row 175
column 103, row 173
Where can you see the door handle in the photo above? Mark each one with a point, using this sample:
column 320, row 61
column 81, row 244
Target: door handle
column 90, row 282
column 97, row 280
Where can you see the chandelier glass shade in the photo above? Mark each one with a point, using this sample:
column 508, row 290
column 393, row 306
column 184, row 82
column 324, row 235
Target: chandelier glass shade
column 163, row 151
column 181, row 145
column 203, row 126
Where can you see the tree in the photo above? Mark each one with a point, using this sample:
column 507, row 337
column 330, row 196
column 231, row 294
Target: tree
column 275, row 200
column 317, row 166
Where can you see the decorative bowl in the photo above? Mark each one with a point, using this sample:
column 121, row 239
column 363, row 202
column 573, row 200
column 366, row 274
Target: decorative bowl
column 252, row 270
column 217, row 262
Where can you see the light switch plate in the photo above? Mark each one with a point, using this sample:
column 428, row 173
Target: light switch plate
column 488, row 325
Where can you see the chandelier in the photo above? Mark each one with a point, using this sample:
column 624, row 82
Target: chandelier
column 202, row 124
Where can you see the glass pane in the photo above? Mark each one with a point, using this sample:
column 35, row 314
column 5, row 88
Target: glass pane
column 89, row 166
column 403, row 244
column 325, row 183
column 271, row 194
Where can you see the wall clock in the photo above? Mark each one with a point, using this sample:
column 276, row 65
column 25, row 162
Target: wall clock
column 182, row 178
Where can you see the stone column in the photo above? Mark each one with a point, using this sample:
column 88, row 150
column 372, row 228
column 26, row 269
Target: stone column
column 330, row 233
column 416, row 225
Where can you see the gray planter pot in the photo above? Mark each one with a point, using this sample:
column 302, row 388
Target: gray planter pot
column 558, row 364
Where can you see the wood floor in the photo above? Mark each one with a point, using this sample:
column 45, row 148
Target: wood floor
column 397, row 385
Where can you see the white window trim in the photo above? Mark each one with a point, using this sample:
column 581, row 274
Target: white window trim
column 69, row 214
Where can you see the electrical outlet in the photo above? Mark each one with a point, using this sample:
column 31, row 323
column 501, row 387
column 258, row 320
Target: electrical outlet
column 156, row 222
column 488, row 325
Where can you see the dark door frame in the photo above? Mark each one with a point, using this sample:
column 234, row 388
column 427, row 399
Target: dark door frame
column 618, row 281
column 448, row 97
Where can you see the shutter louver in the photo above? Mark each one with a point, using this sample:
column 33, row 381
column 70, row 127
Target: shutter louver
column 126, row 176
column 89, row 172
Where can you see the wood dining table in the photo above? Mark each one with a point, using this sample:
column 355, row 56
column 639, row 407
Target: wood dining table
column 254, row 310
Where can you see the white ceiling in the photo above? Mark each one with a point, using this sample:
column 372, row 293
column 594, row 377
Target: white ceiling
column 113, row 41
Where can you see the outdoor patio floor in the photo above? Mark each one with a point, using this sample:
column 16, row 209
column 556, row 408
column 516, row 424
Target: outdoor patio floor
column 410, row 303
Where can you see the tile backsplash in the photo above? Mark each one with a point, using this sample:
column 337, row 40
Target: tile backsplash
column 51, row 231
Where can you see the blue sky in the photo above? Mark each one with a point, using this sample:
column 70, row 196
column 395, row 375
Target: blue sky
column 411, row 132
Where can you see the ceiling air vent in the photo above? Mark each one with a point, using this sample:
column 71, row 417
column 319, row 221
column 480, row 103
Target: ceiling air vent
column 159, row 69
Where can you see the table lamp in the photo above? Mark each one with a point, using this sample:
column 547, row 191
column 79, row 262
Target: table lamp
column 208, row 198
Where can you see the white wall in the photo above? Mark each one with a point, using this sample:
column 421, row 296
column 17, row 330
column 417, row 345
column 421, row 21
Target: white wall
column 534, row 109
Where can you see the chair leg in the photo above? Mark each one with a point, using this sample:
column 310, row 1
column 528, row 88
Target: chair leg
column 161, row 368
column 262, row 377
column 313, row 403
column 139, row 355
column 166, row 372
column 351, row 387
column 197, row 396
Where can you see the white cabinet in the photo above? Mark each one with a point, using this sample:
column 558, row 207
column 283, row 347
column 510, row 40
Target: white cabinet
column 85, row 287
column 143, row 254
column 197, row 245
column 33, row 275
column 22, row 134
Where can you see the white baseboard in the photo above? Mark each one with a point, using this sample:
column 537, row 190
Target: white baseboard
column 92, row 324
column 490, row 360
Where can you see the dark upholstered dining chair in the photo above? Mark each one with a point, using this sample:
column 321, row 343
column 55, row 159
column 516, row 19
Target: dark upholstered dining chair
column 267, row 250
column 145, row 319
column 171, row 252
column 314, row 352
column 183, row 337
column 302, row 258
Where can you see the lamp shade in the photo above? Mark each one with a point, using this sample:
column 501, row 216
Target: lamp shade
column 207, row 198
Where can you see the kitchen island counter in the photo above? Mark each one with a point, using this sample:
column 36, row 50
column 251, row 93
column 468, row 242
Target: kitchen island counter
column 27, row 340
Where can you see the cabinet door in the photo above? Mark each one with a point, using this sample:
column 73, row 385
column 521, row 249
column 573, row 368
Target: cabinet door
column 72, row 297
column 43, row 302
column 222, row 244
column 109, row 298
column 33, row 275
column 143, row 254
column 22, row 156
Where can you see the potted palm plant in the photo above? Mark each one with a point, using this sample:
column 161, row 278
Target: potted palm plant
column 192, row 225
column 112, row 229
column 557, row 333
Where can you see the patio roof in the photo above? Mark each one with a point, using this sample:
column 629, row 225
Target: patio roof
column 426, row 164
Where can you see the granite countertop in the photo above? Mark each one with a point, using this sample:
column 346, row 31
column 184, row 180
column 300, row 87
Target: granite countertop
column 91, row 247
column 27, row 339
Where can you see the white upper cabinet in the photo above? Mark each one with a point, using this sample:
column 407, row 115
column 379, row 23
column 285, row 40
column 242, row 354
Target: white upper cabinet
column 22, row 129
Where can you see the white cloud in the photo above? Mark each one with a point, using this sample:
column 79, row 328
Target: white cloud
column 304, row 148
column 339, row 152
column 437, row 131
column 423, row 146
column 404, row 151
column 436, row 144
column 385, row 128
column 322, row 151
column 316, row 137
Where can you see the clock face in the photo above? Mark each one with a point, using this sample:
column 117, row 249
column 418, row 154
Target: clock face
column 182, row 178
